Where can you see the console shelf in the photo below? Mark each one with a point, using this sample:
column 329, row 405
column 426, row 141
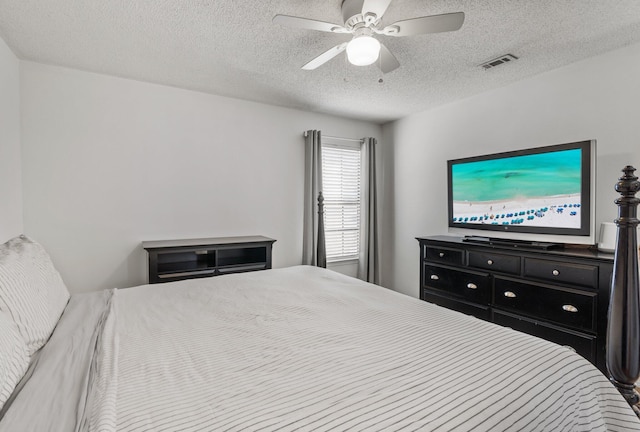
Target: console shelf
column 559, row 295
column 171, row 260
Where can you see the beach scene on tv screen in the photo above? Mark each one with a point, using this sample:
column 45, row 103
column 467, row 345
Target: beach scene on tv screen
column 541, row 190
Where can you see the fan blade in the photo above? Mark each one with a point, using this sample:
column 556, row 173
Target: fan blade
column 387, row 61
column 427, row 24
column 378, row 7
column 325, row 56
column 305, row 23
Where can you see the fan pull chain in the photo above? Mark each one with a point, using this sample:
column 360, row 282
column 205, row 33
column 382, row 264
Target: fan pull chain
column 346, row 69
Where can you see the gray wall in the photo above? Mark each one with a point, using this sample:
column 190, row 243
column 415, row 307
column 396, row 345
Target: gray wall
column 110, row 162
column 597, row 98
column 10, row 165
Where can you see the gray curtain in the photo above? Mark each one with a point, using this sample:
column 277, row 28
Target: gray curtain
column 368, row 264
column 313, row 244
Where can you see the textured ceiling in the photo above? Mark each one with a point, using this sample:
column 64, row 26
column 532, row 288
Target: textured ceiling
column 231, row 47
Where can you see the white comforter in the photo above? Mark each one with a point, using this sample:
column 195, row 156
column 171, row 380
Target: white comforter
column 306, row 349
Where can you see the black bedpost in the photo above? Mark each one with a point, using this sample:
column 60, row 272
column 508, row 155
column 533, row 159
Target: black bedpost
column 623, row 331
column 321, row 252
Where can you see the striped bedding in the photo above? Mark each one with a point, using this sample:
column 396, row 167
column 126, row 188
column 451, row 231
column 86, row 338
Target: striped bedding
column 307, row 349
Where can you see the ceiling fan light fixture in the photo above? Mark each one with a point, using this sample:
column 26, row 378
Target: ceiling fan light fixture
column 362, row 19
column 363, row 50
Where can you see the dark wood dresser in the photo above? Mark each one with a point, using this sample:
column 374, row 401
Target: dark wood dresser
column 172, row 260
column 559, row 295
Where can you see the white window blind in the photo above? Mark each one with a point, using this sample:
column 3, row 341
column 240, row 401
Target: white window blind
column 341, row 190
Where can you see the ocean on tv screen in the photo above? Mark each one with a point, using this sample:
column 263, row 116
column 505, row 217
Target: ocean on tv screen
column 531, row 190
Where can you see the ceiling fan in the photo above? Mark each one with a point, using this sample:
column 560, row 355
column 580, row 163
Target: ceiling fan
column 362, row 19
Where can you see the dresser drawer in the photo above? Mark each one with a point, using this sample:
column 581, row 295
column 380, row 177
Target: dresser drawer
column 495, row 262
column 471, row 286
column 466, row 308
column 574, row 274
column 566, row 307
column 444, row 255
column 583, row 344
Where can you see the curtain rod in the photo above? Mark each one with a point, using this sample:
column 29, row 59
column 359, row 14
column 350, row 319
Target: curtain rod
column 339, row 138
column 343, row 139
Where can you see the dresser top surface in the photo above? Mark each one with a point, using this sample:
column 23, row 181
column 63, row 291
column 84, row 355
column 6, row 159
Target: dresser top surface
column 578, row 251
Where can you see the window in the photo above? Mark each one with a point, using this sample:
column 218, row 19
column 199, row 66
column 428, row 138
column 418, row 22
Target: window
column 341, row 190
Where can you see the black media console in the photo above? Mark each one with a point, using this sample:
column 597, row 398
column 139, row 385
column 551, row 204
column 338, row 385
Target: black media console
column 561, row 295
column 173, row 260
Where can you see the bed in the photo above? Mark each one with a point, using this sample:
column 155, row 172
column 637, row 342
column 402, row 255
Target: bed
column 293, row 349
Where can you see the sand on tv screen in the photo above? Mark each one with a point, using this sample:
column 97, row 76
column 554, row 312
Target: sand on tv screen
column 538, row 190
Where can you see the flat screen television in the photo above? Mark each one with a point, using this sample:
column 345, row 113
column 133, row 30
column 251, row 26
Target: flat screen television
column 538, row 195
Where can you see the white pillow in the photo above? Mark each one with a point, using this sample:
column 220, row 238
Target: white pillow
column 32, row 292
column 13, row 357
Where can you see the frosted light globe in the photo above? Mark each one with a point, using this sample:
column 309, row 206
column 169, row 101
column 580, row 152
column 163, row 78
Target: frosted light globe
column 363, row 50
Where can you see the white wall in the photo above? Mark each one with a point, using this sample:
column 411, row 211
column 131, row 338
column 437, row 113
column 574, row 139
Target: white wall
column 10, row 165
column 595, row 98
column 110, row 162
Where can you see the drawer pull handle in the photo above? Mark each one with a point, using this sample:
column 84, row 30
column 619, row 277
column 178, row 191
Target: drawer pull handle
column 510, row 294
column 441, row 254
column 471, row 285
column 489, row 262
column 570, row 308
column 435, row 277
column 555, row 272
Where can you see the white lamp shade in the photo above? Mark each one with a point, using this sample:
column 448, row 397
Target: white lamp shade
column 608, row 232
column 609, row 237
column 363, row 50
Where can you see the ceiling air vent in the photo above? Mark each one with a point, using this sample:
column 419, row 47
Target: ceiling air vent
column 498, row 61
